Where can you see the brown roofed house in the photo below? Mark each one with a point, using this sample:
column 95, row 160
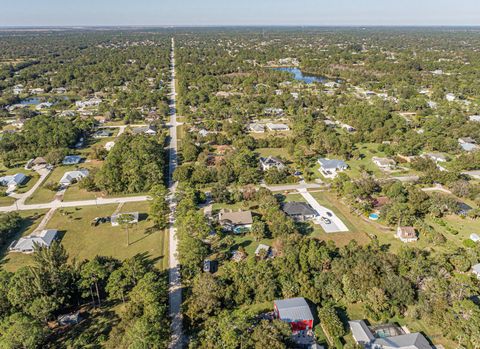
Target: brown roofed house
column 235, row 220
column 406, row 234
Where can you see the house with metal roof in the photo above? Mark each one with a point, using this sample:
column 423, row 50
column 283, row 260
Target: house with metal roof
column 71, row 177
column 384, row 163
column 12, row 181
column 27, row 244
column 299, row 211
column 294, row 311
column 329, row 168
column 364, row 336
column 468, row 144
column 256, row 128
column 148, row 130
column 277, row 127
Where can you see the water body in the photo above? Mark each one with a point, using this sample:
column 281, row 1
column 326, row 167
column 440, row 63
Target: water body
column 299, row 76
column 30, row 101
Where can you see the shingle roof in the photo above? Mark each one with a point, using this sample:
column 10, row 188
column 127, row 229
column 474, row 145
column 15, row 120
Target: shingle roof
column 293, row 309
column 236, row 218
column 298, row 208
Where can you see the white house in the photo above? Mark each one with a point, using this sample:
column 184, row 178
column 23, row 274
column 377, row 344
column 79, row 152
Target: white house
column 256, row 128
column 271, row 162
column 109, row 145
column 348, row 128
column 44, row 105
column 468, row 144
column 437, row 157
column 330, row 168
column 73, row 176
column 148, row 130
column 474, row 237
column 12, row 181
column 93, row 102
column 27, row 243
column 475, row 118
column 277, row 127
column 384, row 163
column 476, row 270
column 450, row 97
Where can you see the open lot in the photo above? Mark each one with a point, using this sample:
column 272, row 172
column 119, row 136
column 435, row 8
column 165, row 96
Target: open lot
column 84, row 241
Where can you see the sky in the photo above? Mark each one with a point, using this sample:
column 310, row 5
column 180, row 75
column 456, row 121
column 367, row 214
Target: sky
column 238, row 12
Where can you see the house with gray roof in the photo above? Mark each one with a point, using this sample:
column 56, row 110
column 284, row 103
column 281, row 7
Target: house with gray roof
column 256, row 128
column 468, row 144
column 71, row 177
column 294, row 311
column 329, row 168
column 27, row 244
column 383, row 339
column 299, row 211
column 148, row 130
column 277, row 127
column 271, row 162
column 12, row 181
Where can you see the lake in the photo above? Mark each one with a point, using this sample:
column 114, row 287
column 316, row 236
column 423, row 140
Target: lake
column 299, row 76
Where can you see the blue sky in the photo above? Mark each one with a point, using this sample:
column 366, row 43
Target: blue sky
column 238, row 12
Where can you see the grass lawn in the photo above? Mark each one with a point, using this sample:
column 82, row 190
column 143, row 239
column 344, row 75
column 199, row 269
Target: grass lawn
column 31, row 180
column 454, row 223
column 30, row 221
column 84, row 241
column 277, row 152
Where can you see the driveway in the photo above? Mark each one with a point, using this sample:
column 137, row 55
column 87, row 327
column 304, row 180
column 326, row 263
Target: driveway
column 336, row 225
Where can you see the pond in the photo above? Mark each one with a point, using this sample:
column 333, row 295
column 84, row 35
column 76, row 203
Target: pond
column 299, row 76
column 30, row 101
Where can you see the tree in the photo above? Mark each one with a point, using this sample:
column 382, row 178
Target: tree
column 20, row 331
column 205, row 300
column 94, row 275
column 126, row 220
column 258, row 229
column 159, row 207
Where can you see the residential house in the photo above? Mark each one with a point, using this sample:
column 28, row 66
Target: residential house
column 468, row 144
column 71, row 160
column 406, row 234
column 72, row 177
column 133, row 218
column 262, row 251
column 475, row 118
column 235, row 221
column 329, row 168
column 102, row 133
column 437, row 157
column 256, row 128
column 278, row 127
column 274, row 111
column 12, row 181
column 474, row 174
column 44, row 105
column 364, row 336
column 476, row 270
column 59, row 90
column 148, row 130
column 93, row 102
column 37, row 91
column 295, row 312
column 17, row 89
column 348, row 128
column 384, row 163
column 271, row 162
column 299, row 211
column 39, row 161
column 450, row 97
column 210, row 266
column 27, row 244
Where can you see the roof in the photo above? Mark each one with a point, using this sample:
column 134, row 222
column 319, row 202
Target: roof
column 70, row 176
column 271, row 161
column 298, row 208
column 262, row 247
column 474, row 237
column 332, row 164
column 272, row 126
column 383, row 161
column 474, row 117
column 293, row 309
column 145, row 129
column 257, row 127
column 405, row 341
column 406, row 231
column 236, row 218
column 44, row 238
column 466, row 140
column 39, row 161
column 360, row 331
column 476, row 268
column 71, row 159
column 13, row 180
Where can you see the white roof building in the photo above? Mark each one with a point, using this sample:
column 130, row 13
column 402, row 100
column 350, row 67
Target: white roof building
column 277, row 127
column 475, row 118
column 27, row 243
column 330, row 168
column 109, row 145
column 476, row 270
column 11, row 182
column 73, row 176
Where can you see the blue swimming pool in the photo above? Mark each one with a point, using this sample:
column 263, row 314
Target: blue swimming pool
column 373, row 216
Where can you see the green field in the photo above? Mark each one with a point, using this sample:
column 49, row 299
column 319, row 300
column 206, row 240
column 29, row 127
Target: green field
column 84, row 241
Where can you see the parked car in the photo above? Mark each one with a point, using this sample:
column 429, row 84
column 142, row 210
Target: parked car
column 329, row 214
column 326, row 220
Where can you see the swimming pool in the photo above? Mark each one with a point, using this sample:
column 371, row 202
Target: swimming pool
column 373, row 216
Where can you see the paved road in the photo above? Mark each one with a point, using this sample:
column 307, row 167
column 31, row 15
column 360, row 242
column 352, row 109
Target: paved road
column 63, row 204
column 175, row 285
